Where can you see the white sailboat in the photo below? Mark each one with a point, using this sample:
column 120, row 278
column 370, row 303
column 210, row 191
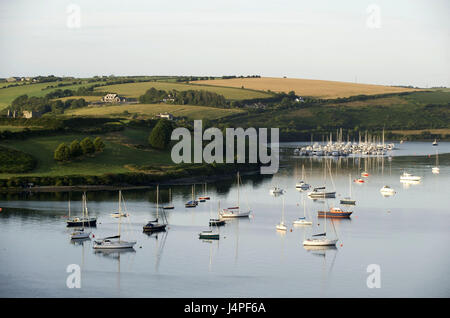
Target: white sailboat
column 322, row 239
column 303, row 220
column 348, row 200
column 302, row 185
column 114, row 242
column 282, row 226
column 81, row 234
column 235, row 212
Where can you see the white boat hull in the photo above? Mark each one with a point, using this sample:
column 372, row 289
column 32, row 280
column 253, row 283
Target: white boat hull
column 319, row 242
column 237, row 214
column 281, row 227
column 302, row 222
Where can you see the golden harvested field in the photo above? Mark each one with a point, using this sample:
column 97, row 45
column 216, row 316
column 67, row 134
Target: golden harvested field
column 191, row 112
column 135, row 90
column 306, row 87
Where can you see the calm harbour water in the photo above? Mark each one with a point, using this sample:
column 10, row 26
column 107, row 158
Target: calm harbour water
column 407, row 235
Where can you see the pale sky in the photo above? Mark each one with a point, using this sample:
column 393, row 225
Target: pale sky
column 409, row 44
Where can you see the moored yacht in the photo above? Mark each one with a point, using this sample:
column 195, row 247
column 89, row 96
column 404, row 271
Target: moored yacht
column 409, row 177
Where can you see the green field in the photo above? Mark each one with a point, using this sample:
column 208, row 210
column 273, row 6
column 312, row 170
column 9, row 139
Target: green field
column 7, row 95
column 191, row 112
column 134, row 90
column 118, row 153
column 434, row 97
column 15, row 128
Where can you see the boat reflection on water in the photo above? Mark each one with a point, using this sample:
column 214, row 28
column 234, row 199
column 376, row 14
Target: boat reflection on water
column 79, row 241
column 114, row 253
column 319, row 250
column 408, row 183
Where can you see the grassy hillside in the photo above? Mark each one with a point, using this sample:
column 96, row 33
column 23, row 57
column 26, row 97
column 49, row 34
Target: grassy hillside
column 134, row 90
column 191, row 112
column 7, row 95
column 14, row 161
column 119, row 152
column 306, row 87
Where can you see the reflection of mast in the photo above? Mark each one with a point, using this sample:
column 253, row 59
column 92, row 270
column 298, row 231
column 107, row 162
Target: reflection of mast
column 160, row 248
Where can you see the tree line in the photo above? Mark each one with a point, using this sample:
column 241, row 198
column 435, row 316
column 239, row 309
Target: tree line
column 43, row 104
column 76, row 149
column 188, row 97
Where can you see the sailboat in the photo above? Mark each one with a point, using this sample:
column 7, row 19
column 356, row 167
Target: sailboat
column 170, row 206
column 302, row 185
column 281, row 226
column 210, row 234
column 217, row 222
column 302, row 220
column 276, row 191
column 321, row 239
column 154, row 226
column 114, row 242
column 435, row 143
column 235, row 212
column 436, row 169
column 193, row 203
column 80, row 234
column 319, row 192
column 205, row 196
column 348, row 200
column 83, row 220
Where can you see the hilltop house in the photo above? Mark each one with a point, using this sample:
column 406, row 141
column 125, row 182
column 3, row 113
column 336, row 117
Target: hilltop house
column 31, row 114
column 168, row 99
column 113, row 98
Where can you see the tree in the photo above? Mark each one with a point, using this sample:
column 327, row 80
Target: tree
column 75, row 149
column 160, row 136
column 99, row 144
column 87, row 146
column 62, row 153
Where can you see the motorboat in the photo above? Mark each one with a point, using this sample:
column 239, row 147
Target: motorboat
column 409, row 177
column 334, row 213
column 320, row 193
column 387, row 191
column 209, row 235
column 276, row 190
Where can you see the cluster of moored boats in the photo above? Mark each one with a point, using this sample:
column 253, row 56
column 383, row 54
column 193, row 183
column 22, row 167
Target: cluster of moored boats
column 342, row 149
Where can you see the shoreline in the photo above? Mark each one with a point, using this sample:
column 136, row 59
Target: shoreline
column 150, row 185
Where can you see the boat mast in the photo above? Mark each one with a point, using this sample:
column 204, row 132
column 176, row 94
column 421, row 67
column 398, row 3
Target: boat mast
column 350, row 183
column 282, row 212
column 157, row 199
column 120, row 210
column 238, row 190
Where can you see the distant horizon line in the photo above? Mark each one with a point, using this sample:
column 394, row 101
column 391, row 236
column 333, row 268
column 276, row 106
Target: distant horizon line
column 219, row 77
